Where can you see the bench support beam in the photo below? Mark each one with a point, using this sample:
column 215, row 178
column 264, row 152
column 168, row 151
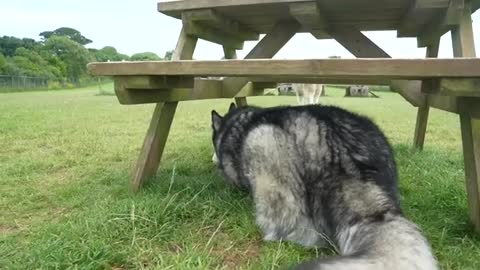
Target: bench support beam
column 281, row 33
column 362, row 47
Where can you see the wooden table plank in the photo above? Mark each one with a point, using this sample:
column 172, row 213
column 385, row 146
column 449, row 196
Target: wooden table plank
column 365, row 15
column 475, row 5
column 418, row 16
column 408, row 17
column 326, row 68
column 199, row 4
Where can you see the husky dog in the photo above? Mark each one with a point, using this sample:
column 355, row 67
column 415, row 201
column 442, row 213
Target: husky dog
column 307, row 93
column 321, row 175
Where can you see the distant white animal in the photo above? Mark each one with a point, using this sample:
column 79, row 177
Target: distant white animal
column 307, row 93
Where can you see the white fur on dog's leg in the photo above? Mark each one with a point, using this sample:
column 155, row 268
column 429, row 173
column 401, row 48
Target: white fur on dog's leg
column 303, row 100
column 270, row 237
column 214, row 158
column 298, row 97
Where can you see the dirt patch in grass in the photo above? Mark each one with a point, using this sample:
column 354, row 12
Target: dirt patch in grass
column 6, row 230
column 175, row 248
column 227, row 251
column 242, row 256
column 24, row 222
column 56, row 178
column 117, row 267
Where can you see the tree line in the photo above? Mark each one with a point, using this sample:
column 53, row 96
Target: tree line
column 60, row 56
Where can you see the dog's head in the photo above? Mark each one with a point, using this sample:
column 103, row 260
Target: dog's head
column 225, row 150
column 218, row 125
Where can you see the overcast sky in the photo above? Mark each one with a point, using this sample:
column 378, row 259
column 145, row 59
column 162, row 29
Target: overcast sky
column 134, row 26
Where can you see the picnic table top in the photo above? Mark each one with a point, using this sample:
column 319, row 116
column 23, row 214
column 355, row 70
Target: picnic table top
column 328, row 68
column 408, row 17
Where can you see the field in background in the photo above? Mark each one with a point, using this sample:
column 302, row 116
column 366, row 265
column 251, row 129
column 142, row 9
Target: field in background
column 66, row 158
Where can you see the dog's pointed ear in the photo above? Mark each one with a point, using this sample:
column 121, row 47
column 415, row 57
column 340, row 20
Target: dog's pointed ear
column 232, row 107
column 216, row 120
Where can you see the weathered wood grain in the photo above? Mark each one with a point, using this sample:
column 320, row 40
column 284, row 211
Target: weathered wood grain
column 313, row 80
column 230, row 53
column 143, row 94
column 211, row 23
column 424, row 109
column 421, row 127
column 199, row 4
column 157, row 134
column 444, row 23
column 419, row 15
column 327, row 68
column 464, row 46
column 470, row 128
column 154, row 82
column 261, row 15
column 308, row 14
column 280, row 34
column 207, row 33
column 459, row 87
column 356, row 43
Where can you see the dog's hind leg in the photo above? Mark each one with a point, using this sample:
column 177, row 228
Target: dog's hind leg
column 281, row 216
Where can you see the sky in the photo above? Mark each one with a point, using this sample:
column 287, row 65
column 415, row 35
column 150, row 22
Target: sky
column 134, row 26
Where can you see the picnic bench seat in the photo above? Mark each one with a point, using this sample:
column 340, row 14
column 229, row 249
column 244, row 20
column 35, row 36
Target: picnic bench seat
column 448, row 84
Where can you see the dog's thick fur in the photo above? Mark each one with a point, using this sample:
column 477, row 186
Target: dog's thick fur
column 319, row 175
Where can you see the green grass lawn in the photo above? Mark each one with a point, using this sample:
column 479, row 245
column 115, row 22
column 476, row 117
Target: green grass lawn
column 66, row 158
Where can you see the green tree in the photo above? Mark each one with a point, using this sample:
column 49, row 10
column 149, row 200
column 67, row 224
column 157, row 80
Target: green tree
column 30, row 63
column 122, row 56
column 3, row 63
column 8, row 45
column 71, row 33
column 109, row 53
column 55, row 63
column 145, row 56
column 11, row 69
column 29, row 43
column 168, row 55
column 73, row 55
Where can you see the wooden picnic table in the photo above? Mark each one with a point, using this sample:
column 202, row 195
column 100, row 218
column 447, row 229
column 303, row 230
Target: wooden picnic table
column 448, row 84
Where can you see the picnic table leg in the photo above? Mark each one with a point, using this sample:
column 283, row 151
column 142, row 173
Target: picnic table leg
column 157, row 134
column 470, row 128
column 241, row 101
column 463, row 46
column 424, row 109
column 421, row 126
column 230, row 53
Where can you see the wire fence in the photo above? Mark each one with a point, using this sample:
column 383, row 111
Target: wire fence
column 22, row 82
column 28, row 82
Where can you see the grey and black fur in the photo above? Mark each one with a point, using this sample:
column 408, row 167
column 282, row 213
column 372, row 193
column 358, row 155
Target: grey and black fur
column 321, row 175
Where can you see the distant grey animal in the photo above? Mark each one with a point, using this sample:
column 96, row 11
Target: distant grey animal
column 321, row 175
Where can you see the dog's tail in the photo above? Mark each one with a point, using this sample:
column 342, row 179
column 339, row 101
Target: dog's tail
column 392, row 244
